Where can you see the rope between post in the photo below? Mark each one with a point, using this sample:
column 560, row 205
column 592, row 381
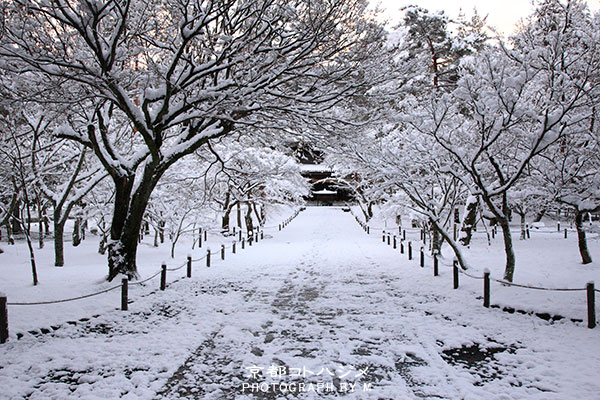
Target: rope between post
column 539, row 288
column 469, row 275
column 178, row 268
column 37, row 303
column 145, row 280
column 199, row 259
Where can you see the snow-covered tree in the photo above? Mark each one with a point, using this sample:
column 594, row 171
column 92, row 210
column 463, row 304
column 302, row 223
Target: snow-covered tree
column 64, row 172
column 257, row 176
column 179, row 73
column 511, row 106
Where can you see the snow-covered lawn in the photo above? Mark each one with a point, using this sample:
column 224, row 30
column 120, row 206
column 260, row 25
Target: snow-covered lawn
column 316, row 308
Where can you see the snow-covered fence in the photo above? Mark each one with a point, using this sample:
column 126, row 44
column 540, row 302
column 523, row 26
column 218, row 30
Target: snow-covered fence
column 124, row 285
column 486, row 278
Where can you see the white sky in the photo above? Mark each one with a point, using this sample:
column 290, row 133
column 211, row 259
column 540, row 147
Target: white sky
column 502, row 14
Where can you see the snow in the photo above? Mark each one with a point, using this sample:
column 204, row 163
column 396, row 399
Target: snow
column 314, row 168
column 324, row 191
column 319, row 296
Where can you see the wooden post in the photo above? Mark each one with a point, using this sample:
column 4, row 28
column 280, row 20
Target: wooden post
column 455, row 231
column 205, row 235
column 279, row 226
column 163, row 277
column 208, row 258
column 368, row 230
column 455, row 274
column 124, row 290
column 410, row 250
column 383, row 237
column 422, row 258
column 395, row 242
column 403, row 234
column 486, row 288
column 243, row 243
column 565, row 233
column 222, row 252
column 240, row 235
column 388, row 239
column 558, row 227
column 3, row 319
column 401, row 246
column 527, row 231
column 189, row 266
column 233, row 247
column 199, row 237
column 435, row 265
column 399, row 230
column 250, row 240
column 591, row 303
column 234, row 231
column 493, row 233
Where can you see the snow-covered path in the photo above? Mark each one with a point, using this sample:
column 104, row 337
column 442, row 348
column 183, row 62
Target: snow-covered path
column 318, row 310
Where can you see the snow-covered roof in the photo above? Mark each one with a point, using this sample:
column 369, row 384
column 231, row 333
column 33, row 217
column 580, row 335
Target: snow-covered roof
column 324, row 191
column 315, row 168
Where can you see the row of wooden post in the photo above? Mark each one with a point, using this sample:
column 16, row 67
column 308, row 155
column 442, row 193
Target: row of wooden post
column 590, row 289
column 163, row 273
column 290, row 219
column 591, row 303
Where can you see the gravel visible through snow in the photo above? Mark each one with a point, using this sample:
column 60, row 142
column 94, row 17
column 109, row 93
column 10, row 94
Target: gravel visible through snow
column 319, row 310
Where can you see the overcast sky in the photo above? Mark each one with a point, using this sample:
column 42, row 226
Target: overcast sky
column 503, row 14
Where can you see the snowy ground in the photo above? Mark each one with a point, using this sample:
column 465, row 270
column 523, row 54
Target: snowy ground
column 319, row 310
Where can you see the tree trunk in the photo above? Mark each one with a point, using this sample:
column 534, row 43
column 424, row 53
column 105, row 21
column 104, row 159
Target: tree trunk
column 9, row 233
column 258, row 215
column 586, row 257
column 248, row 220
column 239, row 215
column 523, row 235
column 455, row 247
column 40, row 226
column 59, row 253
column 161, row 230
column 83, row 227
column 226, row 211
column 469, row 221
column 77, row 232
column 173, row 243
column 102, row 244
column 436, row 244
column 31, row 258
column 509, row 270
column 225, row 220
column 540, row 214
column 16, row 225
column 363, row 210
column 128, row 215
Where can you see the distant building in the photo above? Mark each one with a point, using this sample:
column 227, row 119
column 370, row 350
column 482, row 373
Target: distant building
column 326, row 189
